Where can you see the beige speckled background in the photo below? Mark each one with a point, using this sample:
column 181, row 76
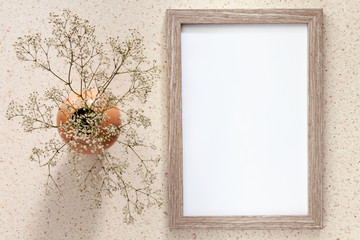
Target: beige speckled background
column 27, row 213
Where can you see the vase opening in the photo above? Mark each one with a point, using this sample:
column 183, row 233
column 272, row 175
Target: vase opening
column 83, row 115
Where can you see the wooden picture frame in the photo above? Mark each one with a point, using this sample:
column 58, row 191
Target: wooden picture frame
column 313, row 19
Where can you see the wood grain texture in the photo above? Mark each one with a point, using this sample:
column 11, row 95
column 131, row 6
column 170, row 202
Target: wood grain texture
column 312, row 17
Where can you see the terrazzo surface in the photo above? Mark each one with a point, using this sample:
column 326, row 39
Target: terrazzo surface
column 27, row 213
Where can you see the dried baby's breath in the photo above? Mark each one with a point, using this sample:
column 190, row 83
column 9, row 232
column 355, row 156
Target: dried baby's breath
column 91, row 65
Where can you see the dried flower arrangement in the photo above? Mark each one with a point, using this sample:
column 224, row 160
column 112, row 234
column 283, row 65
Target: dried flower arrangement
column 90, row 117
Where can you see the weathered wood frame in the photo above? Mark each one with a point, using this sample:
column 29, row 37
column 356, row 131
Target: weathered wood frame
column 311, row 17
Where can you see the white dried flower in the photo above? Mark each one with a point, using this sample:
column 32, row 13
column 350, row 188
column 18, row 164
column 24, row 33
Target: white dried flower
column 91, row 65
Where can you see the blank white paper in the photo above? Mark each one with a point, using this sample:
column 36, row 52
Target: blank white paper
column 244, row 106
